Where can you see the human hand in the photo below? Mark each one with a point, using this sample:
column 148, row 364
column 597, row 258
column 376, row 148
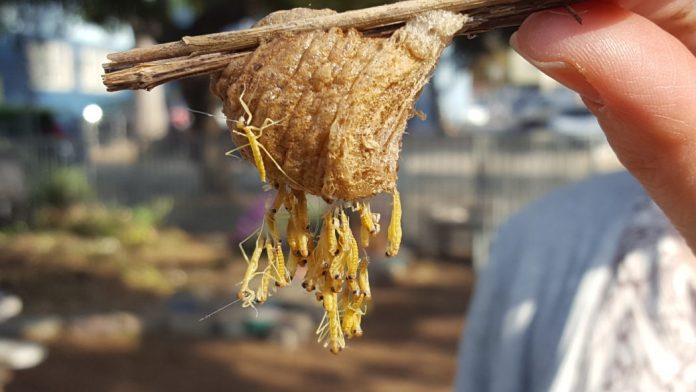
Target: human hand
column 633, row 63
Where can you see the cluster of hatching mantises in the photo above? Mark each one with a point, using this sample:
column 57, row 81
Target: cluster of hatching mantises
column 333, row 267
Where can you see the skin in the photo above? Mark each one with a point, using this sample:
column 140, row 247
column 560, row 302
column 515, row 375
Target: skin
column 634, row 64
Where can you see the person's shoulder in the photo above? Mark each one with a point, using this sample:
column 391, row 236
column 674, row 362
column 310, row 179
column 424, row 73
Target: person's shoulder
column 590, row 202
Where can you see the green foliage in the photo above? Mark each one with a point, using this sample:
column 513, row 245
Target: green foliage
column 153, row 213
column 132, row 226
column 144, row 220
column 62, row 188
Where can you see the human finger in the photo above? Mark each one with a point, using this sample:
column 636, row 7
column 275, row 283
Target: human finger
column 678, row 17
column 640, row 82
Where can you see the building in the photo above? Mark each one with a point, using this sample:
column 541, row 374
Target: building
column 51, row 59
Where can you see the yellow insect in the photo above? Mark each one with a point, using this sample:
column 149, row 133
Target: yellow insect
column 246, row 295
column 301, row 222
column 337, row 264
column 366, row 217
column 310, row 250
column 281, row 276
column 352, row 316
column 270, row 253
column 270, row 217
column 344, row 301
column 290, row 201
column 357, row 331
column 265, row 286
column 244, row 124
column 336, row 267
column 394, row 231
column 344, row 232
column 337, row 259
column 353, row 258
column 280, row 198
column 364, row 236
column 368, row 223
column 353, row 287
column 336, row 341
column 291, row 233
column 247, row 130
column 329, row 233
column 336, row 284
column 313, row 270
column 329, row 299
column 330, row 328
column 364, row 279
column 293, row 262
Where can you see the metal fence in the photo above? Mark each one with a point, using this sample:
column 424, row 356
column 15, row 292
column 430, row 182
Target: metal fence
column 456, row 191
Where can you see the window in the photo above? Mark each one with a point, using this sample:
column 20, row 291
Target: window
column 91, row 70
column 51, row 66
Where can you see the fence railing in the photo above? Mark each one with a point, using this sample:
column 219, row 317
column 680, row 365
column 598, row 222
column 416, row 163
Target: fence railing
column 455, row 191
column 458, row 191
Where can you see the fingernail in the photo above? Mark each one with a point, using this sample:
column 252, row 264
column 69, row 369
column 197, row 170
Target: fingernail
column 563, row 72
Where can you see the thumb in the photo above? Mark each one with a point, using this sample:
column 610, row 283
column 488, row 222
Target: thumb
column 640, row 82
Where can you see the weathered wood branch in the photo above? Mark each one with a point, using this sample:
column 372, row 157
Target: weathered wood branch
column 145, row 68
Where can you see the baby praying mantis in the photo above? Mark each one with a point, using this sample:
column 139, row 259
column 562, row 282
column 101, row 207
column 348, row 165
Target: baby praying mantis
column 247, row 295
column 301, row 219
column 281, row 272
column 369, row 223
column 329, row 232
column 352, row 259
column 244, row 124
column 364, row 279
column 352, row 315
column 270, row 217
column 245, row 129
column 329, row 329
column 263, row 290
column 394, row 230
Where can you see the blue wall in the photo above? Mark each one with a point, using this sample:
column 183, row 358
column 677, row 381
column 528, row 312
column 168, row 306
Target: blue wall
column 51, row 22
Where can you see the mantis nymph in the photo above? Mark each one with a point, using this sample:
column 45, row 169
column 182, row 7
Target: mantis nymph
column 394, row 231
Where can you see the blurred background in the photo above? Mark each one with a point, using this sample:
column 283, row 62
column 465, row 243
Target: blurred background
column 120, row 214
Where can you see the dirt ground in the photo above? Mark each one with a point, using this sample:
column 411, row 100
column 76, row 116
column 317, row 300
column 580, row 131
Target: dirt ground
column 410, row 342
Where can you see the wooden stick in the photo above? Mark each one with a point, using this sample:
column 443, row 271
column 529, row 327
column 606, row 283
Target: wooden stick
column 152, row 74
column 145, row 68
